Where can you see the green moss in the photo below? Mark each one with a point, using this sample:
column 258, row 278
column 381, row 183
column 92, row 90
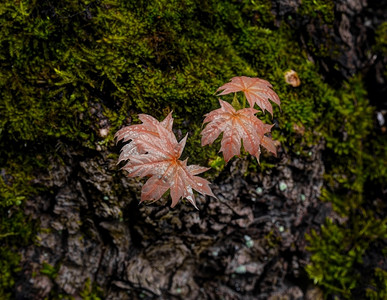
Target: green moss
column 381, row 38
column 9, row 265
column 354, row 157
column 378, row 289
column 320, row 41
column 49, row 270
column 321, row 9
column 338, row 251
column 348, row 159
column 91, row 291
column 15, row 231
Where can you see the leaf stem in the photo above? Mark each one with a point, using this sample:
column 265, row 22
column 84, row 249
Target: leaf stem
column 244, row 101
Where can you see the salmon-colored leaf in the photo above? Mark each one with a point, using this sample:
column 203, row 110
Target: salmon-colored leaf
column 154, row 151
column 256, row 90
column 236, row 126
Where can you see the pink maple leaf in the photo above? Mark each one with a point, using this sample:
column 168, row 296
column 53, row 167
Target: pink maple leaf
column 237, row 126
column 153, row 151
column 256, row 91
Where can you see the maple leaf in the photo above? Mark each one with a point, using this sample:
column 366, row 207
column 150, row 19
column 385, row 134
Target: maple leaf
column 256, row 91
column 236, row 126
column 154, row 151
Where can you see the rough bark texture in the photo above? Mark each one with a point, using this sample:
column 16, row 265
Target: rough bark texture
column 249, row 243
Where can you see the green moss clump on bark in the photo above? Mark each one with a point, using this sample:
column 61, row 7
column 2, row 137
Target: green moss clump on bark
column 16, row 230
column 339, row 251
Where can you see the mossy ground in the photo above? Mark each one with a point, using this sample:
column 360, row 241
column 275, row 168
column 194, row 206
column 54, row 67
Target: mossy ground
column 59, row 60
